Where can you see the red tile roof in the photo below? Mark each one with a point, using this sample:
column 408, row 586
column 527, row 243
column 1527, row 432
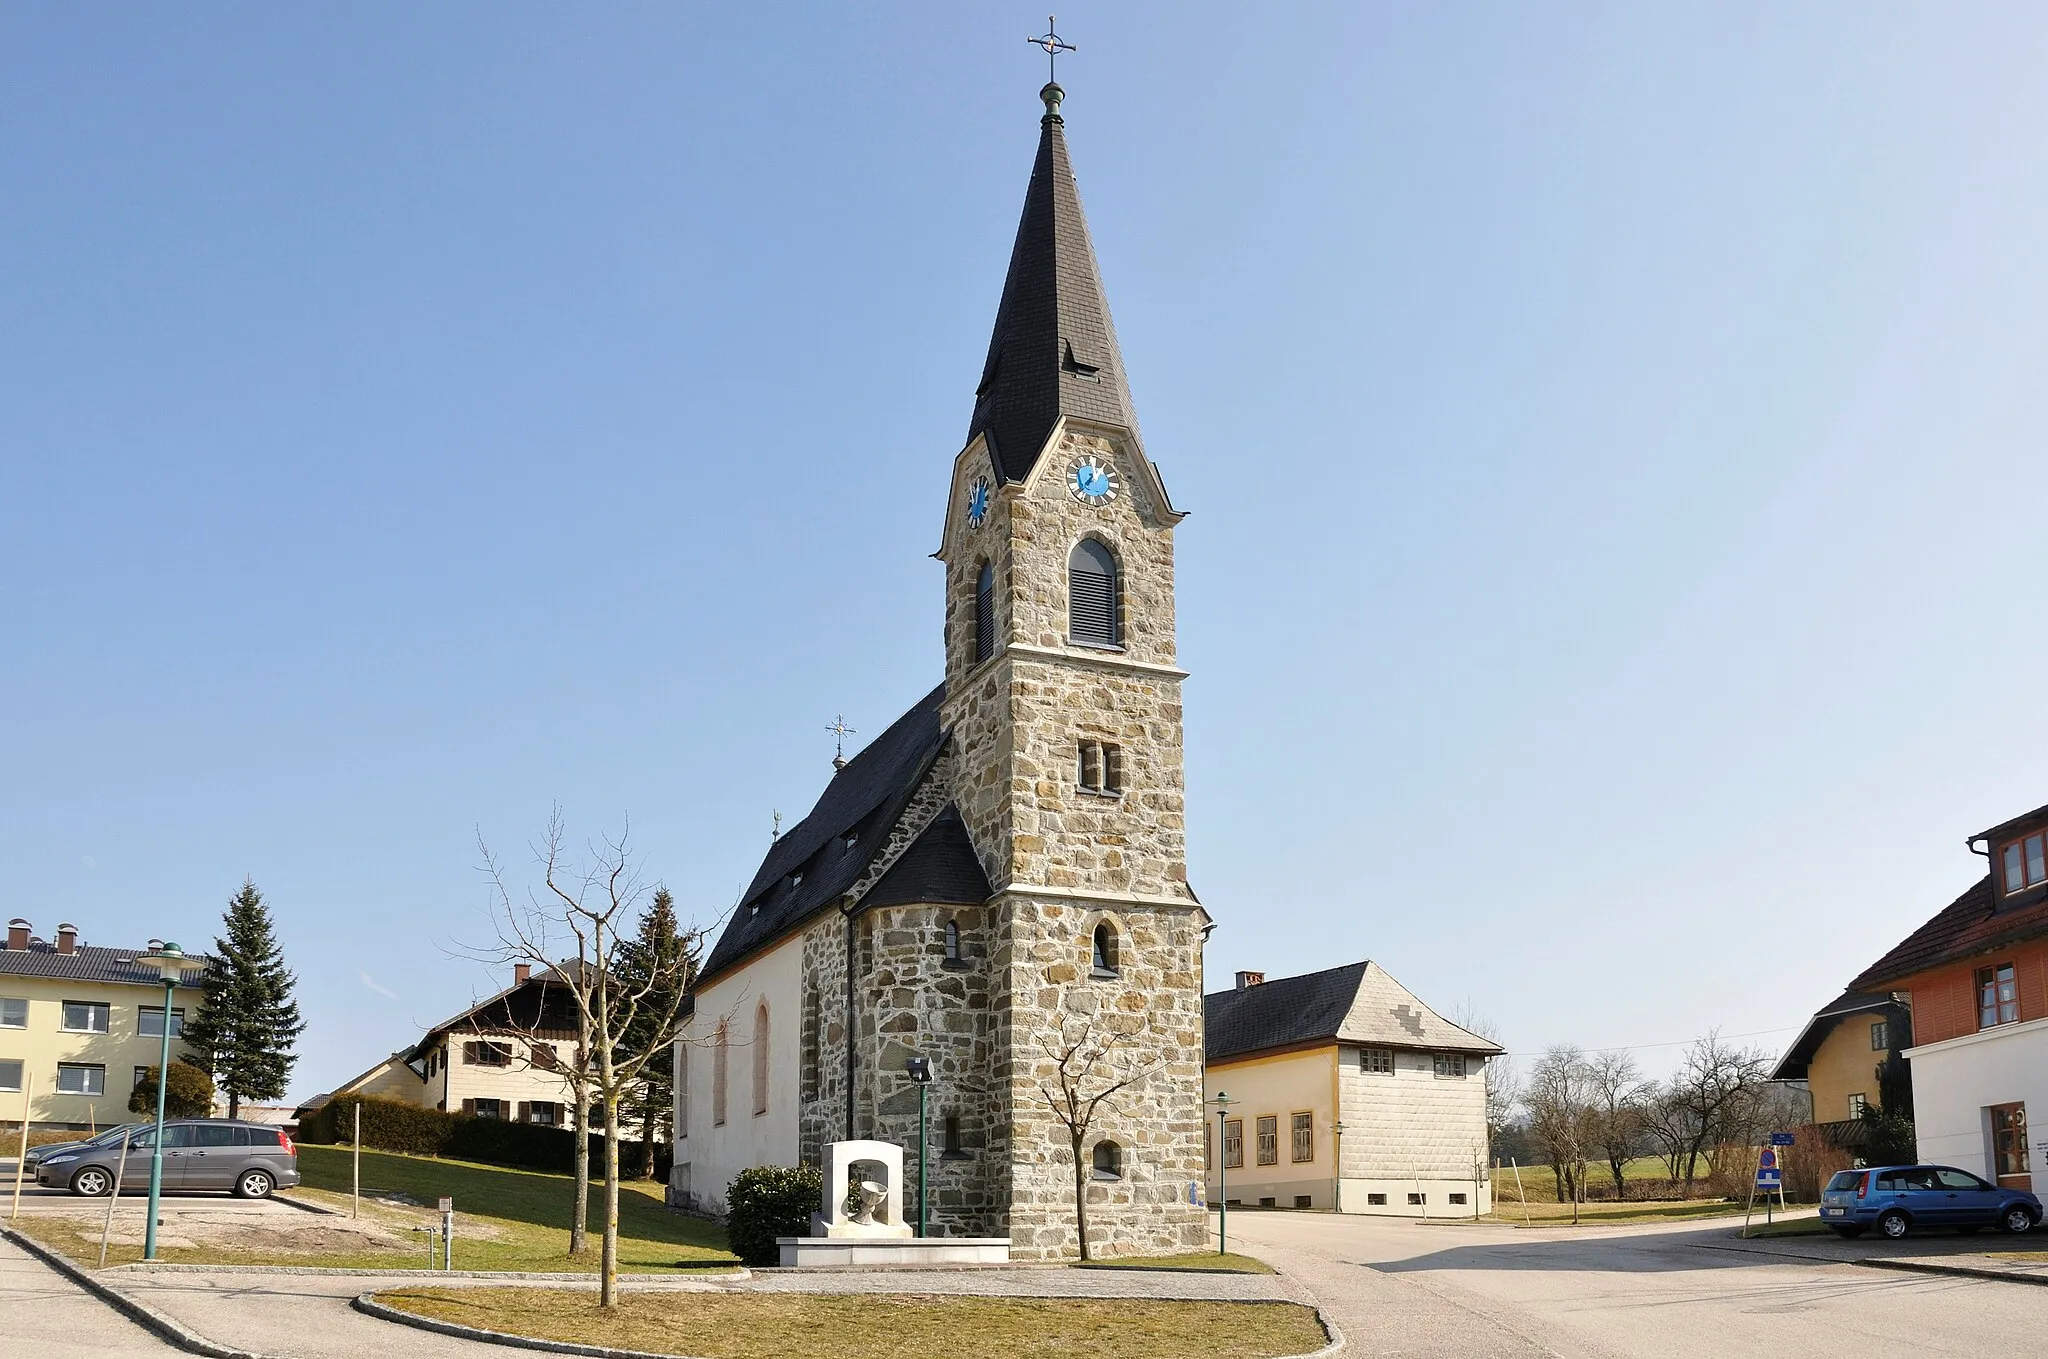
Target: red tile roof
column 1968, row 926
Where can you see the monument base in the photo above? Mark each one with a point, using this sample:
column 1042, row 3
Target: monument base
column 859, row 1231
column 894, row 1252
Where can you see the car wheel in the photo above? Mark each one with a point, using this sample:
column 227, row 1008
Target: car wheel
column 2017, row 1219
column 92, row 1183
column 254, row 1184
column 1894, row 1224
column 1847, row 1233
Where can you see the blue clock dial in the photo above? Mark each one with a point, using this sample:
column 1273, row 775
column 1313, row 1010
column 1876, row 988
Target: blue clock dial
column 977, row 502
column 1091, row 481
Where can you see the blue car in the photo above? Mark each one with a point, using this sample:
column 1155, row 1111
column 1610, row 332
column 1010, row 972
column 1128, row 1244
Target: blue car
column 1900, row 1199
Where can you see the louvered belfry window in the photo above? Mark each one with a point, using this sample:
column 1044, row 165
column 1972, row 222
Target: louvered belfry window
column 1091, row 595
column 985, row 613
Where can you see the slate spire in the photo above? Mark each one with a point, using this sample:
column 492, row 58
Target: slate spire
column 1054, row 349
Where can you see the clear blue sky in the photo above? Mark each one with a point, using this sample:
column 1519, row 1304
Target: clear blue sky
column 1613, row 436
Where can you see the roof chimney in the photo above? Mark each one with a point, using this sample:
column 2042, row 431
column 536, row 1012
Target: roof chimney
column 1246, row 979
column 67, row 939
column 521, row 973
column 17, row 934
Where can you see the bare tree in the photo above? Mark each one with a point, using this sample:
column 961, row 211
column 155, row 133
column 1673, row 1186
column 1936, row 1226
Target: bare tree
column 1618, row 1091
column 580, row 923
column 1088, row 1069
column 1503, row 1083
column 1712, row 1090
column 1563, row 1118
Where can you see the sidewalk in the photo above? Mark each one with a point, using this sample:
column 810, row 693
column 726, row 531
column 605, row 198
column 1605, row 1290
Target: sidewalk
column 1988, row 1256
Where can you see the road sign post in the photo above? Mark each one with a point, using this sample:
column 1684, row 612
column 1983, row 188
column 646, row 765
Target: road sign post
column 447, row 1235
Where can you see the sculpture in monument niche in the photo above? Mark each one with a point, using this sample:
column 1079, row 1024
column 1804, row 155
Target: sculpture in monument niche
column 860, row 1218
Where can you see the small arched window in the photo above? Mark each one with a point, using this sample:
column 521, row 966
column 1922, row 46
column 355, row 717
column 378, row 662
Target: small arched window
column 718, row 1062
column 985, row 613
column 952, row 941
column 1109, row 1160
column 1091, row 596
column 1102, row 956
column 761, row 1058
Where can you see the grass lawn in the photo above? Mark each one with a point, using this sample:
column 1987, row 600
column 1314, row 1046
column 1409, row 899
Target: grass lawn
column 1560, row 1214
column 504, row 1219
column 870, row 1326
column 1233, row 1263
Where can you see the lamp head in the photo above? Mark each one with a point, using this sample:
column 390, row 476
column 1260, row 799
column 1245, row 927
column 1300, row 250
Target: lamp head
column 1223, row 1099
column 920, row 1069
column 166, row 960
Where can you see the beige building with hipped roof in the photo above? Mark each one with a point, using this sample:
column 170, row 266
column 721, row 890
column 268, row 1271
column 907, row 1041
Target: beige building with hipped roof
column 1298, row 1056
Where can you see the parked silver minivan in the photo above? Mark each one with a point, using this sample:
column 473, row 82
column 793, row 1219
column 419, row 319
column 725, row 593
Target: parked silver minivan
column 246, row 1159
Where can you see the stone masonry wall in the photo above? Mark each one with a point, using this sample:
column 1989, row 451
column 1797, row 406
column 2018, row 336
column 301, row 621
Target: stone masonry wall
column 1155, row 999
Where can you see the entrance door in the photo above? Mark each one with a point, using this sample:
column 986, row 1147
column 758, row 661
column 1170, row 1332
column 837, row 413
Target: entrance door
column 2009, row 1146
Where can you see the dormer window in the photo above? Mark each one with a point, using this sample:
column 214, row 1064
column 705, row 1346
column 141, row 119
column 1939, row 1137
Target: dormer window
column 2026, row 862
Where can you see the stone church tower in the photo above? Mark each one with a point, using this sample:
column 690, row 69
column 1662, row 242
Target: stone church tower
column 999, row 880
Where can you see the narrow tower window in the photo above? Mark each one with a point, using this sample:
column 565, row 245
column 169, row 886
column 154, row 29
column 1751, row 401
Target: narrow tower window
column 985, row 613
column 1091, row 596
column 952, row 941
column 1100, row 768
column 718, row 1067
column 761, row 1058
column 1102, row 956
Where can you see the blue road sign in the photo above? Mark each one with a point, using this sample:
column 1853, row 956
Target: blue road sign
column 1769, row 1179
column 1781, row 1139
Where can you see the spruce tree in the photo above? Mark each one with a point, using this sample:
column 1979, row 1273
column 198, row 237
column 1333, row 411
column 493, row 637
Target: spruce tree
column 655, row 953
column 246, row 1031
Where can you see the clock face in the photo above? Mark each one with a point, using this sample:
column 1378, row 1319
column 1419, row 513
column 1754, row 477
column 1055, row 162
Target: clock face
column 977, row 502
column 1092, row 481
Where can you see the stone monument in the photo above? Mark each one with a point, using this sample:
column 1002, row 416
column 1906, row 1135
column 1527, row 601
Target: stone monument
column 860, row 1219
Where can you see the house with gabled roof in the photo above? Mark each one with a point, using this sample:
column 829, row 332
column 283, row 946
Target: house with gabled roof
column 1341, row 1089
column 1976, row 978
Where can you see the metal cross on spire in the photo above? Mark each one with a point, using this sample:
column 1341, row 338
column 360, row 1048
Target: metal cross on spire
column 841, row 731
column 1053, row 44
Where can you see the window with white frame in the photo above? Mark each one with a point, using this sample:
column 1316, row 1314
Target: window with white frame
column 1376, row 1061
column 1450, row 1065
column 10, row 1075
column 13, row 1012
column 1858, row 1102
column 85, row 1016
column 77, row 1078
column 1880, row 1036
column 489, row 1108
column 1304, row 1137
column 1269, row 1139
column 149, row 1021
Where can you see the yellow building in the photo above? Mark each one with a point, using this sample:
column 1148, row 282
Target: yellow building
column 1299, row 1056
column 1841, row 1054
column 79, row 1028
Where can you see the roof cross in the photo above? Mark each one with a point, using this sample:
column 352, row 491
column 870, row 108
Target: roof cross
column 840, row 731
column 1053, row 44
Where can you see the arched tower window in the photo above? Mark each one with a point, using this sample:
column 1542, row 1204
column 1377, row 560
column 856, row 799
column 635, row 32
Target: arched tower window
column 1102, row 956
column 1091, row 595
column 761, row 1058
column 984, row 613
column 1109, row 1160
column 952, row 941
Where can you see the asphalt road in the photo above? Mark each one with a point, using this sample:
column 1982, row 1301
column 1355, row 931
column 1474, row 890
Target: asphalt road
column 1399, row 1288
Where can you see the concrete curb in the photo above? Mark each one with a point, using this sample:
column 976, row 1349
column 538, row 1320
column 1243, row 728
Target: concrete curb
column 1960, row 1271
column 303, row 1206
column 367, row 1304
column 155, row 1322
column 735, row 1274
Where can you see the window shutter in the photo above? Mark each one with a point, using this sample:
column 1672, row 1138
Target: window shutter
column 469, row 1107
column 1091, row 594
column 985, row 613
column 469, row 1053
column 1112, row 768
column 525, row 1112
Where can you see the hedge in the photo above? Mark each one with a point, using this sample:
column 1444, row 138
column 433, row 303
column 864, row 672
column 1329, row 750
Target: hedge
column 394, row 1125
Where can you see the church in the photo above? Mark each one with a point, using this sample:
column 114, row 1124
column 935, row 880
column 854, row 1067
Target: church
column 997, row 883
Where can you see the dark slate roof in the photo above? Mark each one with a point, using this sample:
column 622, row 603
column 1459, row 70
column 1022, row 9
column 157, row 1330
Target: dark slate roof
column 1966, row 927
column 89, row 964
column 1054, row 350
column 1280, row 1013
column 1792, row 1066
column 940, row 867
column 863, row 799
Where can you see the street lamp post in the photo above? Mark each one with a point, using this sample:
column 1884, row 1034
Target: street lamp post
column 1337, row 1167
column 169, row 962
column 1222, row 1103
column 920, row 1069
